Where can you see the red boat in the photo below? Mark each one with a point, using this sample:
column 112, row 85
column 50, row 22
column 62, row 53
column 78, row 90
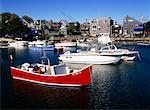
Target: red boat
column 57, row 75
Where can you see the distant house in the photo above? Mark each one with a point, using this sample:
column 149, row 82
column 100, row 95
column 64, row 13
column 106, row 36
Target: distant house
column 101, row 26
column 116, row 30
column 32, row 32
column 55, row 25
column 132, row 27
column 105, row 25
column 42, row 26
column 63, row 27
column 94, row 27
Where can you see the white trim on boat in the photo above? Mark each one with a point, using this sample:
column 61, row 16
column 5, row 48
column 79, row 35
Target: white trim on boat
column 53, row 84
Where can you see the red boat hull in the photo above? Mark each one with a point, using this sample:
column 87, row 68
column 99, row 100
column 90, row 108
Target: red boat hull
column 80, row 78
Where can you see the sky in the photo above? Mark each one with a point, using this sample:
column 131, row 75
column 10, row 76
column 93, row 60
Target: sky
column 77, row 10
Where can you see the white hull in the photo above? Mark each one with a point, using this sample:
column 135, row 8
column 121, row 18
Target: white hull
column 89, row 59
column 18, row 44
column 125, row 54
column 50, row 84
column 127, row 58
column 37, row 44
column 143, row 43
column 66, row 44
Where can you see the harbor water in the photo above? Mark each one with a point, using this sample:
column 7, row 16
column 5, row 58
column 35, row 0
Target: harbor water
column 122, row 86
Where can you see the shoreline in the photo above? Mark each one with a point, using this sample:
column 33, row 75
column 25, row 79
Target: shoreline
column 131, row 39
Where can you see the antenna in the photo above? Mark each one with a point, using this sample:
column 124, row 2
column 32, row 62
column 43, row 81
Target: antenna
column 69, row 17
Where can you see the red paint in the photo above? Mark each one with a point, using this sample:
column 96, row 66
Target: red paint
column 82, row 78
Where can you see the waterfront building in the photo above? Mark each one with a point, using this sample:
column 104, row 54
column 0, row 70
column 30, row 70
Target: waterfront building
column 94, row 27
column 63, row 27
column 105, row 26
column 55, row 25
column 116, row 30
column 42, row 26
column 47, row 28
column 132, row 27
column 32, row 30
column 101, row 26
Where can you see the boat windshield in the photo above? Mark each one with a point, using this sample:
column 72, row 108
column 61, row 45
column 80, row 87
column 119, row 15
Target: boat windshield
column 105, row 48
column 113, row 47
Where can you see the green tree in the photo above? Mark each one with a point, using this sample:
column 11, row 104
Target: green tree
column 5, row 18
column 73, row 28
column 28, row 19
column 12, row 25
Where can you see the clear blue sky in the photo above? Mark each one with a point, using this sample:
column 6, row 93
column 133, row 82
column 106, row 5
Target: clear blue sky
column 80, row 10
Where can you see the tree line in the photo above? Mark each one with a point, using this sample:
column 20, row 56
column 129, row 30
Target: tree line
column 12, row 26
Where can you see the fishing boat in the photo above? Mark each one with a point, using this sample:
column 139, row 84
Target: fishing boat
column 56, row 75
column 88, row 57
column 108, row 48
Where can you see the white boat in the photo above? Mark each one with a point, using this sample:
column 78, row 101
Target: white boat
column 4, row 44
column 143, row 43
column 88, row 57
column 40, row 45
column 107, row 48
column 65, row 44
column 36, row 43
column 18, row 44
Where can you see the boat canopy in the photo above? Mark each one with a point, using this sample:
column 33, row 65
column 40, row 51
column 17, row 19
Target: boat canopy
column 104, row 39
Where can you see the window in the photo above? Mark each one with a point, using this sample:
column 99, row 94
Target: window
column 105, row 48
column 112, row 47
column 94, row 26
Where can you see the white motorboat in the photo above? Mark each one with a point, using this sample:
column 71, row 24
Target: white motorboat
column 143, row 43
column 107, row 48
column 88, row 57
column 18, row 44
column 41, row 45
column 65, row 44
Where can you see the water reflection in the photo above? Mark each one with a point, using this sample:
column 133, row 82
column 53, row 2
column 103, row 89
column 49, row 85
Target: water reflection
column 125, row 85
column 50, row 97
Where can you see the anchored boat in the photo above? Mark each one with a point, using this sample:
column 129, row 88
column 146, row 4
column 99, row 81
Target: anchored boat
column 57, row 75
column 88, row 57
column 107, row 48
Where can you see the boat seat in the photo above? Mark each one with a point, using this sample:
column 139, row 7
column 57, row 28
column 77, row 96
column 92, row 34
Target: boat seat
column 59, row 69
column 25, row 66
